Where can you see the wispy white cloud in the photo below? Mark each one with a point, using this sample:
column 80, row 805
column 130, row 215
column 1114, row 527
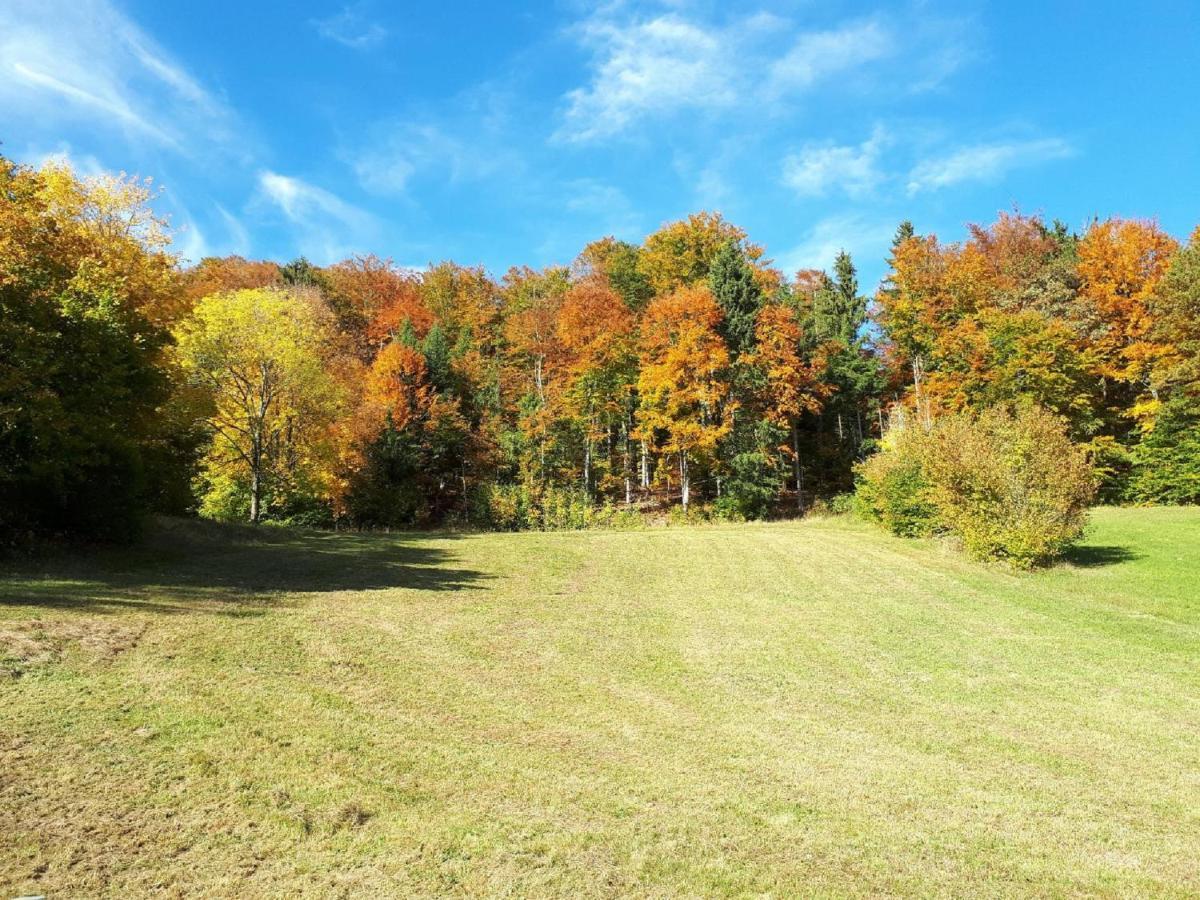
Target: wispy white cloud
column 984, row 162
column 403, row 151
column 821, row 54
column 862, row 237
column 190, row 243
column 678, row 61
column 107, row 103
column 301, row 201
column 84, row 60
column 663, row 64
column 351, row 28
column 818, row 168
column 239, row 236
column 606, row 207
column 326, row 226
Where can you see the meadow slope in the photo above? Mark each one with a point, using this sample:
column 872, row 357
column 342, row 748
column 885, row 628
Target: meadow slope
column 774, row 709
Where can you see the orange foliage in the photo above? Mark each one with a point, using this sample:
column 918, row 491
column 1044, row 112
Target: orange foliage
column 1014, row 248
column 682, row 385
column 395, row 390
column 594, row 326
column 793, row 386
column 219, row 275
column 379, row 294
column 1121, row 263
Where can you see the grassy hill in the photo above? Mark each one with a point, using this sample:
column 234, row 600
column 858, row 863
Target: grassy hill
column 763, row 709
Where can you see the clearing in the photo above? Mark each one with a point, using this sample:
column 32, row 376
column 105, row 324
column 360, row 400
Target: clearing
column 781, row 709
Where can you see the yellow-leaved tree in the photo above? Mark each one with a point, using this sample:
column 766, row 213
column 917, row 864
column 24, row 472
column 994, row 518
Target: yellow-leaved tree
column 268, row 362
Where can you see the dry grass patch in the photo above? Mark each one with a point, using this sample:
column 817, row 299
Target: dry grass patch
column 38, row 642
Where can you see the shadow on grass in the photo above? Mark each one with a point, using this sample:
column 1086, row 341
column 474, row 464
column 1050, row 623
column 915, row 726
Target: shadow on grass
column 1093, row 556
column 187, row 566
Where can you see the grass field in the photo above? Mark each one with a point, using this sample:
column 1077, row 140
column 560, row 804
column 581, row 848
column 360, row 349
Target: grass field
column 774, row 709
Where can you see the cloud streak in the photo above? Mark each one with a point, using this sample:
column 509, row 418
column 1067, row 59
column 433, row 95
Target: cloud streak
column 647, row 67
column 859, row 235
column 822, row 54
column 351, row 28
column 663, row 64
column 984, row 162
column 85, row 61
column 326, row 226
column 403, row 151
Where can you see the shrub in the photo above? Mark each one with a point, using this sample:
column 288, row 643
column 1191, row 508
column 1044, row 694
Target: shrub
column 523, row 507
column 1008, row 483
column 750, row 489
column 842, row 504
column 893, row 489
column 502, row 507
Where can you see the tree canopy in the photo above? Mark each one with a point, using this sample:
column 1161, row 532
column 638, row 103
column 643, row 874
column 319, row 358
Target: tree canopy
column 684, row 369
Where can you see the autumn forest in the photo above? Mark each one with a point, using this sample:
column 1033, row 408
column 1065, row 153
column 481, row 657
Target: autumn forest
column 682, row 377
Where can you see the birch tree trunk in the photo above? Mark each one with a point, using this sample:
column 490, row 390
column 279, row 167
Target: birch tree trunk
column 684, row 482
column 797, row 467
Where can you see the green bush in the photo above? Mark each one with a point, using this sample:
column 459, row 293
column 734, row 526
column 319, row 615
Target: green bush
column 893, row 489
column 750, row 488
column 293, row 498
column 843, row 504
column 1010, row 484
column 1007, row 482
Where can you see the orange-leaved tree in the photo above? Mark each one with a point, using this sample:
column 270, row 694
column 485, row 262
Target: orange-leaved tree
column 1120, row 265
column 682, row 385
column 791, row 384
column 596, row 332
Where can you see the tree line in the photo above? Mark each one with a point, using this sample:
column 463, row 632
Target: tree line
column 684, row 374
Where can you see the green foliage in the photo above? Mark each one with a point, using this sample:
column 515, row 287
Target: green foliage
column 301, row 273
column 894, row 490
column 1007, row 482
column 839, row 437
column 1166, row 463
column 843, row 504
column 292, row 497
column 839, row 312
column 524, row 507
column 752, row 486
column 626, row 277
column 733, row 285
column 83, row 369
column 436, row 348
column 388, row 489
column 1176, row 306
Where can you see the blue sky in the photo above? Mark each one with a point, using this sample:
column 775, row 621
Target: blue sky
column 514, row 133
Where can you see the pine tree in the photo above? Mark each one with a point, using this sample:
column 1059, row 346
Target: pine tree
column 301, row 273
column 732, row 283
column 437, row 358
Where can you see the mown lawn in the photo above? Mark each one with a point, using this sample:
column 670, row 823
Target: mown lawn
column 778, row 709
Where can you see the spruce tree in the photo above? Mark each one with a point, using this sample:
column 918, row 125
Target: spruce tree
column 737, row 293
column 437, row 358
